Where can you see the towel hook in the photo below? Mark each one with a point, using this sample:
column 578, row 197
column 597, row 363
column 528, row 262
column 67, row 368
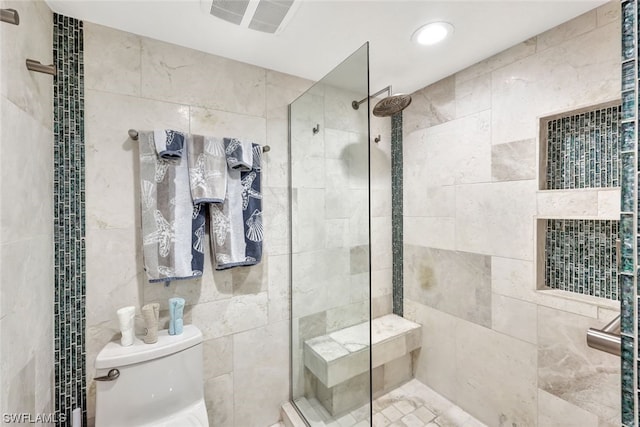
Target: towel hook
column 316, row 129
column 10, row 15
column 40, row 68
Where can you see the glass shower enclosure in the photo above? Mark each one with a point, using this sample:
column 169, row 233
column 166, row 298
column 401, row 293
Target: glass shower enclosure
column 330, row 246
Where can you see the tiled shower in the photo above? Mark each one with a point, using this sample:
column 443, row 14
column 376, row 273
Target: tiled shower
column 472, row 230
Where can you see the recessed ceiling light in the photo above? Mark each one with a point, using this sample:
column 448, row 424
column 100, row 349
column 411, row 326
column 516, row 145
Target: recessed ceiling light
column 432, row 33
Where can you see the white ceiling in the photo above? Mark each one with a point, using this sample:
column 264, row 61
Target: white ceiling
column 321, row 33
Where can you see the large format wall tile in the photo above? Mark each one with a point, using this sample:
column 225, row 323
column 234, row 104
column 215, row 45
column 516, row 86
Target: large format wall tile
column 112, row 170
column 176, row 74
column 505, row 379
column 496, row 219
column 570, row 370
column 457, row 283
column 124, row 51
column 579, row 72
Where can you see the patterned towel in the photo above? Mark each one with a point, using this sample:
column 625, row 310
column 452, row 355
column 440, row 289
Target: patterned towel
column 239, row 154
column 236, row 225
column 169, row 143
column 207, row 169
column 172, row 228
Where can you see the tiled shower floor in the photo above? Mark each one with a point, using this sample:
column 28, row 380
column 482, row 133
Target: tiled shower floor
column 411, row 405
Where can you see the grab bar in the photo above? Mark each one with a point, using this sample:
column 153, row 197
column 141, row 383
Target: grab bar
column 606, row 339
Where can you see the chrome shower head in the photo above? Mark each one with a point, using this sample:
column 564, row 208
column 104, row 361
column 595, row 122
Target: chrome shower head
column 388, row 106
column 391, row 105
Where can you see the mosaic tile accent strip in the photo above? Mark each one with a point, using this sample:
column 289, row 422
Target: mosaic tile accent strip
column 629, row 231
column 69, row 218
column 583, row 150
column 581, row 257
column 396, row 212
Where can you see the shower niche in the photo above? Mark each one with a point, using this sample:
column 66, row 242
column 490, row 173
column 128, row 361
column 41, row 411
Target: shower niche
column 578, row 251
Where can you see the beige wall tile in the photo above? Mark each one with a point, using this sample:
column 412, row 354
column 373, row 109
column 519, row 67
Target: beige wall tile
column 496, row 219
column 571, row 29
column 124, row 50
column 567, row 204
column 506, row 379
column 259, row 389
column 473, row 95
column 568, row 369
column 582, row 71
column 555, row 412
column 515, row 318
column 173, row 73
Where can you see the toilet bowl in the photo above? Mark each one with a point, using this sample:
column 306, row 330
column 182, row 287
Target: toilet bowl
column 157, row 385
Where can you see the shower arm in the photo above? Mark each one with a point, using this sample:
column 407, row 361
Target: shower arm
column 356, row 104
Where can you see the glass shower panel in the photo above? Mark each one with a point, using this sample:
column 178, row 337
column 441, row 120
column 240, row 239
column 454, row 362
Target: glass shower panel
column 330, row 242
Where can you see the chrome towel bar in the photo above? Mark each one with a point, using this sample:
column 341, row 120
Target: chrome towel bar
column 606, row 339
column 133, row 134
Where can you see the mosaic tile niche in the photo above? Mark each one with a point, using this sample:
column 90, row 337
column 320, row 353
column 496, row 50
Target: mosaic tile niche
column 581, row 150
column 581, row 257
column 629, row 217
column 69, row 218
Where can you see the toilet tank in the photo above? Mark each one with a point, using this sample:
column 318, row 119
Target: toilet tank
column 157, row 382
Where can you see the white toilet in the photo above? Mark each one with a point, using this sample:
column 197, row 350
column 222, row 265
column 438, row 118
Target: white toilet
column 147, row 385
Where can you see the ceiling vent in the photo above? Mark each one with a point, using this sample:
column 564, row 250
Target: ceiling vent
column 268, row 16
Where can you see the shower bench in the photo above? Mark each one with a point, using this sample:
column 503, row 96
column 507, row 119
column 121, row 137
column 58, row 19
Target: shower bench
column 339, row 361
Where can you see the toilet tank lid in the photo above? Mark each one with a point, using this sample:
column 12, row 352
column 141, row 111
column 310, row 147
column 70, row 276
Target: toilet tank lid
column 114, row 355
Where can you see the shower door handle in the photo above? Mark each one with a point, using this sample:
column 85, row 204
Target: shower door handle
column 111, row 376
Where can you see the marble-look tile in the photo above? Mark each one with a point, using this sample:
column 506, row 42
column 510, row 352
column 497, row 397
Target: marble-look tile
column 309, row 295
column 607, row 13
column 381, row 252
column 381, row 202
column 552, row 411
column 112, row 60
column 515, row 318
column 567, row 31
column 397, row 371
column 457, row 283
column 513, row 161
column 559, row 78
column 26, row 175
column 512, row 277
column 276, row 217
column 433, row 364
column 570, row 370
column 432, row 232
column 473, row 95
column 308, row 220
column 567, row 203
column 430, row 106
column 278, row 288
column 358, row 221
column 496, row 219
column 113, row 198
column 112, row 288
column 218, row 394
column 427, row 201
column 506, row 379
column 456, row 152
column 345, row 315
column 31, row 92
column 217, row 357
column 229, row 316
column 281, row 90
column 276, row 162
column 502, row 59
column 172, row 73
column 206, row 121
column 258, row 366
column 609, row 203
column 338, row 112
